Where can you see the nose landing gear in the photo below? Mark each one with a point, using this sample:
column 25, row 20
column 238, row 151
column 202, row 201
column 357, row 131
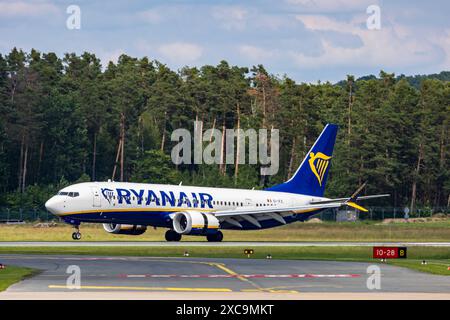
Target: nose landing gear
column 76, row 235
column 76, row 224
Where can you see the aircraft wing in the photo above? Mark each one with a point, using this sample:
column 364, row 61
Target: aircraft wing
column 278, row 213
column 255, row 210
column 253, row 214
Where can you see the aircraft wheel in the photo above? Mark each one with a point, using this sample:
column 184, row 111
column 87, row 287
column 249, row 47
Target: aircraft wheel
column 76, row 236
column 172, row 236
column 215, row 237
column 177, row 236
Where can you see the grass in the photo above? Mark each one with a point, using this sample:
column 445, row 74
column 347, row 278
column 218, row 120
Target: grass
column 13, row 274
column 433, row 266
column 327, row 231
column 438, row 258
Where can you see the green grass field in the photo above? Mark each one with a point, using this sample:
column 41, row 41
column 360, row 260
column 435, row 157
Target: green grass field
column 438, row 258
column 13, row 274
column 326, row 231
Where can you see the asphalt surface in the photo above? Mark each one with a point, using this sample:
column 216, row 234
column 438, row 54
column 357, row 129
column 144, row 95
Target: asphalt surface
column 214, row 278
column 215, row 244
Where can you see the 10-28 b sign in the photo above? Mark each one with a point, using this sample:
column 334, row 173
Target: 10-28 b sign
column 389, row 252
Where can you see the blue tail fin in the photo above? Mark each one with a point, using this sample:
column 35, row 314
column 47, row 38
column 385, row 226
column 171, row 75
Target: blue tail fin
column 311, row 177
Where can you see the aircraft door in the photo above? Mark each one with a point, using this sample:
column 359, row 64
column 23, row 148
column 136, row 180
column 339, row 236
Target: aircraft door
column 96, row 197
column 248, row 202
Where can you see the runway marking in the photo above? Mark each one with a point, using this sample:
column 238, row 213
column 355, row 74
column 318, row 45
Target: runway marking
column 145, row 288
column 239, row 276
column 270, row 290
column 230, row 272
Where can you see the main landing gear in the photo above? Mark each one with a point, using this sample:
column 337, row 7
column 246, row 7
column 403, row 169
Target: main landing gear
column 76, row 235
column 215, row 237
column 172, row 235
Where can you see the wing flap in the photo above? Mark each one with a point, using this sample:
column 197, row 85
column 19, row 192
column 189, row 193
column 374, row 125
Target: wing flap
column 254, row 210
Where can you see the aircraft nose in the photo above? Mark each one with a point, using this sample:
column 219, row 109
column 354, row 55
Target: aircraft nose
column 51, row 205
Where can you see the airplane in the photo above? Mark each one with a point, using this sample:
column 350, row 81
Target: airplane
column 129, row 208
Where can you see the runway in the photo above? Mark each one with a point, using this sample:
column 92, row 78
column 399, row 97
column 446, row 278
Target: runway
column 215, row 244
column 201, row 278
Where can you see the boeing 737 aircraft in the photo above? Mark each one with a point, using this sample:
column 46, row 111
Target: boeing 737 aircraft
column 129, row 208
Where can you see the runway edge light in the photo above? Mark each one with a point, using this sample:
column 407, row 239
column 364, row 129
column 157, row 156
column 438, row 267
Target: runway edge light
column 248, row 252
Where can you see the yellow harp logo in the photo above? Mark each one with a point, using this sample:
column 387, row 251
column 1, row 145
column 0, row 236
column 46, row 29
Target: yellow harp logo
column 319, row 164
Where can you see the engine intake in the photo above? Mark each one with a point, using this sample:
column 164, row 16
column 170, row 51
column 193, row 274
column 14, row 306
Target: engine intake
column 130, row 229
column 195, row 223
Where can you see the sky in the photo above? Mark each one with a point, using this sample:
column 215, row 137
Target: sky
column 306, row 40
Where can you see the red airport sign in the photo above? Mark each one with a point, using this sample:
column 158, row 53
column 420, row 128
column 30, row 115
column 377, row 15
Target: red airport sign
column 389, row 252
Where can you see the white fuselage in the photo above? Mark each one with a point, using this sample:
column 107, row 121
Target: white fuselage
column 107, row 202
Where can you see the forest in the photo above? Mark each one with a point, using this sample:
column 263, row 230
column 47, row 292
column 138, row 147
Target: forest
column 69, row 119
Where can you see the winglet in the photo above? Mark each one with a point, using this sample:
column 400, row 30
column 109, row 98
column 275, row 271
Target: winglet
column 356, row 206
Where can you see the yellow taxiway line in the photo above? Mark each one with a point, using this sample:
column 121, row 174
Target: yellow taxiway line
column 145, row 288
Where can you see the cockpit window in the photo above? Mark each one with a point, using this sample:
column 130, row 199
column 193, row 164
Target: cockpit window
column 70, row 194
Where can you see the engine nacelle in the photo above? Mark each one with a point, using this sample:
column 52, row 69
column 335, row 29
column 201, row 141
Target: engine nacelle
column 130, row 229
column 195, row 223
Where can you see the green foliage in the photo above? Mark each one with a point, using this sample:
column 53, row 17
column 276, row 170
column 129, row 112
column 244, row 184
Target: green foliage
column 62, row 115
column 83, row 178
column 155, row 167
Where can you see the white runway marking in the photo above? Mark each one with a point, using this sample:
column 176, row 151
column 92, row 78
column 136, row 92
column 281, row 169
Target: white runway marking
column 239, row 275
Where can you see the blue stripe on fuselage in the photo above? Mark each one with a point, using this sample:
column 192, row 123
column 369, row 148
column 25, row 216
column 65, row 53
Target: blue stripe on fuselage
column 162, row 219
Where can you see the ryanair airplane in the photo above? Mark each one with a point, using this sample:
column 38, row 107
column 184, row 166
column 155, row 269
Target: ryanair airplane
column 129, row 208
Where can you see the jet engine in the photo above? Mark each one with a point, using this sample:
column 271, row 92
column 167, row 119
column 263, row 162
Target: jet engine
column 130, row 229
column 195, row 223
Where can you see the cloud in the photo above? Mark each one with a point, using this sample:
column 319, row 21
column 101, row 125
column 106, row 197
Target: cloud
column 320, row 22
column 107, row 56
column 152, row 16
column 443, row 41
column 181, row 52
column 231, row 17
column 256, row 53
column 380, row 48
column 24, row 8
column 332, row 6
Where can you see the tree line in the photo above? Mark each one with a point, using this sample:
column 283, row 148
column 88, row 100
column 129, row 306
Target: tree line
column 68, row 119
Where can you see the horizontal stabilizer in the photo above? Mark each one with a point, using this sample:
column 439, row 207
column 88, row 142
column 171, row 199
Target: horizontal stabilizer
column 348, row 199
